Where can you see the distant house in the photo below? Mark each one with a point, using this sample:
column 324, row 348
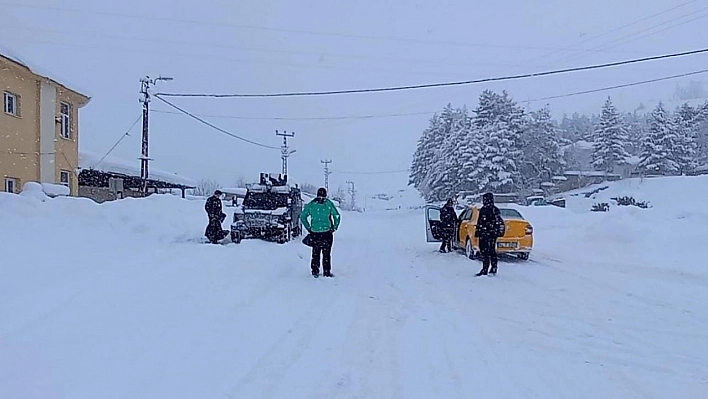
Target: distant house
column 110, row 179
column 39, row 127
column 580, row 179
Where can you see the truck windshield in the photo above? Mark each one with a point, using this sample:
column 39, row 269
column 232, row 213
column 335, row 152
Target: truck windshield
column 265, row 201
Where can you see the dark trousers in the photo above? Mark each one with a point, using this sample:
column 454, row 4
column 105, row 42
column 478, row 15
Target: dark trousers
column 488, row 250
column 447, row 240
column 322, row 247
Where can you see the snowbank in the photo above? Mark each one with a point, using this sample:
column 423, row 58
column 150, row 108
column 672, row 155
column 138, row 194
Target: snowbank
column 119, row 300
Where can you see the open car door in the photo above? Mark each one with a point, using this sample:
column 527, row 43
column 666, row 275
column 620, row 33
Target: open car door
column 433, row 224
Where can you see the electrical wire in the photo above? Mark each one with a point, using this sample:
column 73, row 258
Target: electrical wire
column 212, row 24
column 617, row 29
column 447, row 84
column 331, row 118
column 619, row 86
column 123, row 136
column 193, row 116
column 624, row 39
column 387, row 172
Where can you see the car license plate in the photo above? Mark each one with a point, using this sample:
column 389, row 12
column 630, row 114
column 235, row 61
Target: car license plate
column 507, row 245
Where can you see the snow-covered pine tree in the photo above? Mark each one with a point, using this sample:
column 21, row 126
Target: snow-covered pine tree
column 423, row 158
column 702, row 135
column 577, row 127
column 659, row 145
column 498, row 171
column 610, row 138
column 542, row 155
column 441, row 181
column 499, row 122
column 685, row 151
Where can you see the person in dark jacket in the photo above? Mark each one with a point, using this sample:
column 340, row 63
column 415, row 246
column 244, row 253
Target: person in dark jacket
column 488, row 230
column 213, row 208
column 321, row 219
column 448, row 219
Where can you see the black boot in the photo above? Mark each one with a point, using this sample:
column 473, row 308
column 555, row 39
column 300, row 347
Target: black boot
column 482, row 272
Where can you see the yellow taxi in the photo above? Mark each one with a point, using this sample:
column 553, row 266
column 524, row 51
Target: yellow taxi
column 517, row 239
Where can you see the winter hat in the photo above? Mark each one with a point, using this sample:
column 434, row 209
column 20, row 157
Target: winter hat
column 322, row 192
column 488, row 199
column 217, row 192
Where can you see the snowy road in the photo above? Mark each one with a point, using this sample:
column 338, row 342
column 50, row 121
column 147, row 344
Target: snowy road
column 168, row 318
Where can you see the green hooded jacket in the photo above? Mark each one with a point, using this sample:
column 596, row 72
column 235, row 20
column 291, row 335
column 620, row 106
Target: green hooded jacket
column 323, row 216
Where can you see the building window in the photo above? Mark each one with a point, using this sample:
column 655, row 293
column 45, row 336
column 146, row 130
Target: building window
column 65, row 110
column 11, row 103
column 11, row 185
column 65, row 178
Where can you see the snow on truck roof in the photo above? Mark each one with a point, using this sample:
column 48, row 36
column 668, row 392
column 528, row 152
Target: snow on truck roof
column 92, row 161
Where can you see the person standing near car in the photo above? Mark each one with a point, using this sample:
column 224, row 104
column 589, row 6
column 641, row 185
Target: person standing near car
column 489, row 228
column 321, row 219
column 448, row 219
column 214, row 233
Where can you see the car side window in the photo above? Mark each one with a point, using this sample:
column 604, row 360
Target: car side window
column 467, row 215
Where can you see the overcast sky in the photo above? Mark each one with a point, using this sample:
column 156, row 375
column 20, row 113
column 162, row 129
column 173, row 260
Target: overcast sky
column 261, row 46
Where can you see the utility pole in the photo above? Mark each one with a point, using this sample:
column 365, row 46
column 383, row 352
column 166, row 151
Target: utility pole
column 285, row 150
column 145, row 84
column 327, row 172
column 352, row 193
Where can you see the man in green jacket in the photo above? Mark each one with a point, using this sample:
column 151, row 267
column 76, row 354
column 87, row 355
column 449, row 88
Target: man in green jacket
column 321, row 219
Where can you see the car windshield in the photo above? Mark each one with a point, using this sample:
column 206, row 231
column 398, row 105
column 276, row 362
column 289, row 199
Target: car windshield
column 510, row 214
column 265, row 201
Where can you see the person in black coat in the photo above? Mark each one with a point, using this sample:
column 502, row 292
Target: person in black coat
column 213, row 208
column 489, row 228
column 448, row 220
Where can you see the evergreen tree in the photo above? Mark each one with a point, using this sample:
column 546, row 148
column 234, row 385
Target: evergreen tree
column 659, row 146
column 687, row 135
column 442, row 181
column 498, row 171
column 610, row 138
column 423, row 158
column 577, row 127
column 542, row 155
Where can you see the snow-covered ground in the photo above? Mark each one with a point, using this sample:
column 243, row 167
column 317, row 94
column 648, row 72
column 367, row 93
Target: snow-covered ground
column 120, row 300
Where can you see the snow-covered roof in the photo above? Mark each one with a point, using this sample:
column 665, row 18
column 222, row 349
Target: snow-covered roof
column 633, row 160
column 592, row 173
column 235, row 191
column 89, row 160
column 547, row 184
column 15, row 57
column 559, row 178
column 580, row 145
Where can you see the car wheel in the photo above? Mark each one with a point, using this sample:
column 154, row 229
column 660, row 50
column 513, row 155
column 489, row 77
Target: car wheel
column 524, row 256
column 469, row 249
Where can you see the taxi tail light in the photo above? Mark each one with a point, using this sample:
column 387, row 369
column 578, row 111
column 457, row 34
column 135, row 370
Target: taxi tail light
column 529, row 230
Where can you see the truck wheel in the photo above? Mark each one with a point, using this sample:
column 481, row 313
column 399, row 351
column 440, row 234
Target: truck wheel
column 524, row 256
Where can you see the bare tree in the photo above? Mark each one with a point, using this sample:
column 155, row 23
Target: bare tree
column 206, row 187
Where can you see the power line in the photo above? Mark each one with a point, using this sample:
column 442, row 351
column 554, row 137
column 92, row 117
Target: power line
column 620, row 86
column 619, row 28
column 123, row 136
column 631, row 35
column 330, row 118
column 212, row 24
column 661, row 30
column 386, row 172
column 215, row 127
column 448, row 84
